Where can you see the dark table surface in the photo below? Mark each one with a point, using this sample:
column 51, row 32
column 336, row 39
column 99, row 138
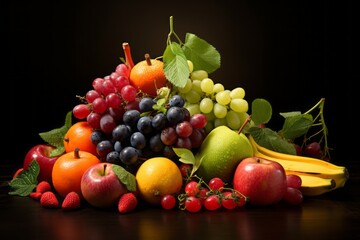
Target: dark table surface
column 334, row 215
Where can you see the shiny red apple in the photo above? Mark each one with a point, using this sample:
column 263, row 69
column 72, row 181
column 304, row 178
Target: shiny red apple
column 263, row 181
column 41, row 153
column 100, row 186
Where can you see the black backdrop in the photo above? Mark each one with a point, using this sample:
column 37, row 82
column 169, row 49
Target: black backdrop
column 290, row 52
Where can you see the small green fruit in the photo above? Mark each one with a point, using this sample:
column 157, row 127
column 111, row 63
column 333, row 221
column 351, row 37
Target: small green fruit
column 221, row 151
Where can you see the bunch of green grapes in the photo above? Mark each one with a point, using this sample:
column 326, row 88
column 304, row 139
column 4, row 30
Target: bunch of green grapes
column 220, row 106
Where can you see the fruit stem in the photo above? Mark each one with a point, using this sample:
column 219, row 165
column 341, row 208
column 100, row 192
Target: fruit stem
column 128, row 58
column 247, row 120
column 148, row 59
column 103, row 173
column 76, row 153
column 172, row 32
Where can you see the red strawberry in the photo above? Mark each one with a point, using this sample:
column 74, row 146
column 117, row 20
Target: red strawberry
column 71, row 201
column 35, row 195
column 127, row 203
column 43, row 186
column 49, row 200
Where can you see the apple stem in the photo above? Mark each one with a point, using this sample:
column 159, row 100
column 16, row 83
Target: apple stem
column 148, row 59
column 76, row 152
column 247, row 120
column 128, row 57
column 105, row 165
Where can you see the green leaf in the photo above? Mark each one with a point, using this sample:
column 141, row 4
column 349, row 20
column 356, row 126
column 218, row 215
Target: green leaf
column 261, row 111
column 296, row 125
column 202, row 54
column 290, row 114
column 127, row 178
column 185, row 155
column 55, row 137
column 175, row 65
column 271, row 140
column 26, row 181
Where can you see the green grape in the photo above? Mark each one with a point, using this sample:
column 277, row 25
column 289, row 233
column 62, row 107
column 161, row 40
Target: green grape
column 223, row 97
column 220, row 111
column 192, row 96
column 191, row 66
column 218, row 87
column 233, row 120
column 237, row 93
column 196, row 86
column 187, row 87
column 220, row 122
column 193, row 108
column 206, row 105
column 198, row 75
column 210, row 116
column 207, row 85
column 239, row 105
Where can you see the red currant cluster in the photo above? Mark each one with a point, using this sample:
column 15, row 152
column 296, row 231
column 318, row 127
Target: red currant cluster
column 199, row 195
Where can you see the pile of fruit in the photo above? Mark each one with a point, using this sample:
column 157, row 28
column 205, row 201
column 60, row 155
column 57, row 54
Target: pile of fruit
column 161, row 132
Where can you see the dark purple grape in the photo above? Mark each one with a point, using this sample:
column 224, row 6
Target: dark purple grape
column 129, row 155
column 107, row 123
column 156, row 144
column 144, row 125
column 121, row 133
column 168, row 136
column 159, row 121
column 313, row 150
column 175, row 115
column 113, row 157
column 176, row 101
column 103, row 148
column 138, row 140
column 118, row 146
column 146, row 104
column 97, row 136
column 131, row 117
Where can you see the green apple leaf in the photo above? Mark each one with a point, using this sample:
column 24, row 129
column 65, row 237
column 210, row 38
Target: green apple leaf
column 55, row 137
column 185, row 155
column 127, row 178
column 271, row 140
column 203, row 55
column 261, row 111
column 26, row 181
column 176, row 68
column 296, row 126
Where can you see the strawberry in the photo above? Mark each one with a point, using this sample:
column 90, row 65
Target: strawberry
column 71, row 201
column 35, row 195
column 49, row 200
column 127, row 203
column 43, row 186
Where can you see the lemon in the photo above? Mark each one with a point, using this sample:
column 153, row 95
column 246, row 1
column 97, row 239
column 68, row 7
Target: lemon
column 157, row 177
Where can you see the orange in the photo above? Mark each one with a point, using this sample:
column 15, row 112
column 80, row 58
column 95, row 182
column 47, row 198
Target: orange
column 68, row 170
column 148, row 76
column 157, row 177
column 79, row 136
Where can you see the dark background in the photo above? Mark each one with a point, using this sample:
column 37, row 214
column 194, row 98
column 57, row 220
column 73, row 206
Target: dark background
column 290, row 52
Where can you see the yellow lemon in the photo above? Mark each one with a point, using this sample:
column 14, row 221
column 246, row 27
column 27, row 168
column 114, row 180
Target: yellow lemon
column 157, row 177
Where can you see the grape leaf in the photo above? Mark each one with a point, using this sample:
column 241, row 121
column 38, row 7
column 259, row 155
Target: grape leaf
column 55, row 137
column 26, row 181
column 272, row 140
column 175, row 65
column 125, row 177
column 185, row 155
column 202, row 54
column 261, row 111
column 296, row 126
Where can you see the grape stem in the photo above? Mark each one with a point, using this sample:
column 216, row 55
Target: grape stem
column 172, row 32
column 320, row 117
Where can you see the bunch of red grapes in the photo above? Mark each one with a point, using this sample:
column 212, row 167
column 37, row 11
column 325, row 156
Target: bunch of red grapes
column 127, row 129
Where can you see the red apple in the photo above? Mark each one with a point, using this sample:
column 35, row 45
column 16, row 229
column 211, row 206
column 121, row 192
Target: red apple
column 263, row 181
column 41, row 153
column 100, row 186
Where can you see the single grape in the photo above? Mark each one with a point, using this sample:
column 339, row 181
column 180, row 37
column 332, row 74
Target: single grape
column 99, row 105
column 176, row 101
column 131, row 117
column 223, row 97
column 108, row 87
column 193, row 204
column 156, row 145
column 97, row 84
column 94, row 120
column 117, row 113
column 113, row 157
column 81, row 111
column 198, row 75
column 206, row 105
column 228, row 201
column 312, row 149
column 175, row 115
column 218, row 87
column 144, row 125
column 138, row 140
column 219, row 110
column 238, row 92
column 113, row 100
column 146, row 104
column 129, row 155
column 91, row 95
column 184, row 129
column 168, row 136
column 103, row 148
column 168, row 201
column 192, row 188
column 293, row 181
column 187, row 87
column 107, row 123
column 293, row 196
column 121, row 133
column 196, row 138
column 212, row 203
column 198, row 120
column 183, row 143
column 128, row 93
column 239, row 105
column 207, row 85
column 97, row 136
column 193, row 108
column 192, row 96
column 158, row 122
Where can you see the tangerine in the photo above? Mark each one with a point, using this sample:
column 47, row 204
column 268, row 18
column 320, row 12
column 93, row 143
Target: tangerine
column 79, row 136
column 157, row 177
column 148, row 75
column 68, row 170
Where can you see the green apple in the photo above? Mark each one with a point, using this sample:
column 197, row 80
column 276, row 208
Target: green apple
column 221, row 151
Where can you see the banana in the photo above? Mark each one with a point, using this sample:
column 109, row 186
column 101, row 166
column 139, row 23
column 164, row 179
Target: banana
column 315, row 186
column 285, row 156
column 318, row 176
